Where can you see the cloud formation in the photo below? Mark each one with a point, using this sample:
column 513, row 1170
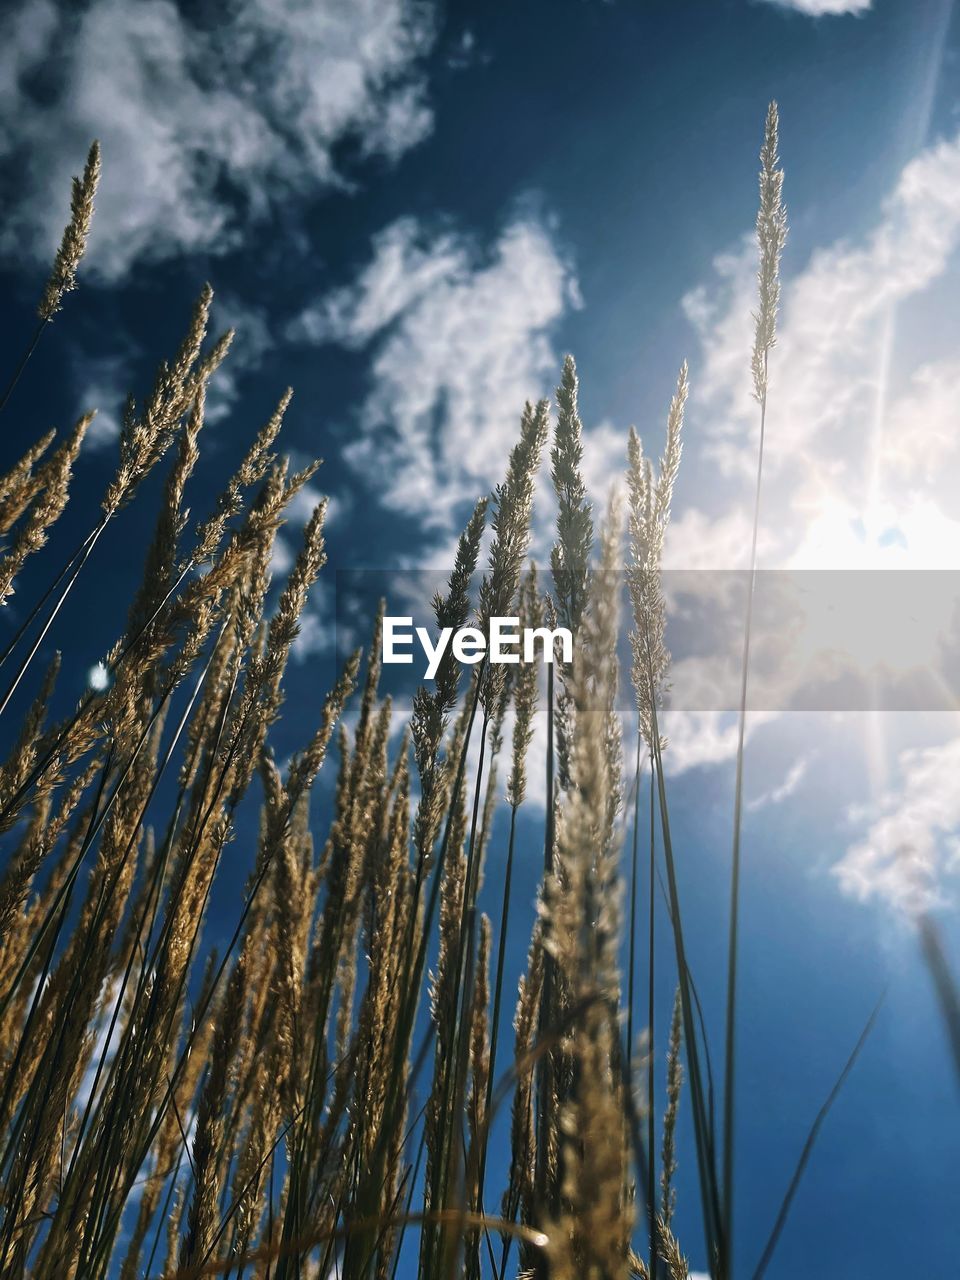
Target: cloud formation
column 912, row 847
column 460, row 338
column 704, row 739
column 204, row 126
column 785, row 789
column 822, row 8
column 103, row 383
column 100, row 382
column 861, row 460
column 851, row 417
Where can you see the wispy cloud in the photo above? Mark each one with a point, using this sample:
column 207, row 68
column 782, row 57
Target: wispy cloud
column 861, row 462
column 852, row 412
column 822, row 8
column 460, row 338
column 785, row 789
column 317, row 634
column 306, row 501
column 911, row 848
column 253, row 339
column 704, row 739
column 104, row 382
column 100, row 382
column 204, row 126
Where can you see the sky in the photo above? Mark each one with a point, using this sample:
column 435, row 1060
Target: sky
column 410, row 211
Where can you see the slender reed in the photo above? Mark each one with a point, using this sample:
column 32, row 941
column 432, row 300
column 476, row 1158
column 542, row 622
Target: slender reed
column 771, row 236
column 63, row 276
column 281, row 1105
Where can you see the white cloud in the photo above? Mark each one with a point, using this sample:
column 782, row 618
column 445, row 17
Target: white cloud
column 783, row 790
column 697, row 542
column 406, row 266
column 700, row 739
column 820, row 8
column 203, row 127
column 103, row 382
column 912, row 845
column 861, row 463
column 101, row 388
column 106, row 1040
column 319, row 625
column 461, row 341
column 921, row 426
column 252, row 340
column 852, row 416
column 604, row 463
column 315, row 637
column 306, row 501
column 282, row 557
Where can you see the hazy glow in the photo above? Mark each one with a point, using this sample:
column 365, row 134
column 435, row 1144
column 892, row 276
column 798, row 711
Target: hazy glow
column 98, row 677
column 825, row 8
column 916, row 535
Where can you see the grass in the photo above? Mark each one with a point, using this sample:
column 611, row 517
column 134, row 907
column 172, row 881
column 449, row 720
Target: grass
column 168, row 1111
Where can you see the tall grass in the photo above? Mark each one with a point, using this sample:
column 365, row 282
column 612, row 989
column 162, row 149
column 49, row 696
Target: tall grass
column 771, row 236
column 171, row 1110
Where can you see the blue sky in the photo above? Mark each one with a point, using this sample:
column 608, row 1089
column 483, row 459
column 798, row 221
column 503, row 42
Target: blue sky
column 410, row 211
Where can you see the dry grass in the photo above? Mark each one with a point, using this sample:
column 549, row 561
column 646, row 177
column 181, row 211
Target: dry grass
column 167, row 1112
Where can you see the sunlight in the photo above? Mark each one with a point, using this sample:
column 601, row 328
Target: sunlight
column 915, row 535
column 881, row 547
column 908, row 633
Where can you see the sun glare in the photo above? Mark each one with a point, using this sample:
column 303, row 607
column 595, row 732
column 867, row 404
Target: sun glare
column 885, row 627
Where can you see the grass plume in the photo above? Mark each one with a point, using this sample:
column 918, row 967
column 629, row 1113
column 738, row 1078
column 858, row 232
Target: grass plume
column 331, row 1077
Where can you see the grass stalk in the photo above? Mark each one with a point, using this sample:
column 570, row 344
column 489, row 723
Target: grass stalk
column 771, row 236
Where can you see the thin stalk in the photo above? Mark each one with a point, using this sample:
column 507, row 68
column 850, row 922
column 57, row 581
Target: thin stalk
column 12, row 803
column 664, row 894
column 651, row 972
column 104, row 1215
column 421, row 1147
column 97, row 820
column 85, row 555
column 809, row 1145
column 947, row 993
column 545, row 1071
column 23, row 362
column 497, row 997
column 634, row 873
column 413, row 975
column 633, row 904
column 28, row 620
column 455, row 1079
column 166, row 1211
column 146, row 911
column 106, row 1220
column 729, row 1080
column 63, row 903
column 709, row 1192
